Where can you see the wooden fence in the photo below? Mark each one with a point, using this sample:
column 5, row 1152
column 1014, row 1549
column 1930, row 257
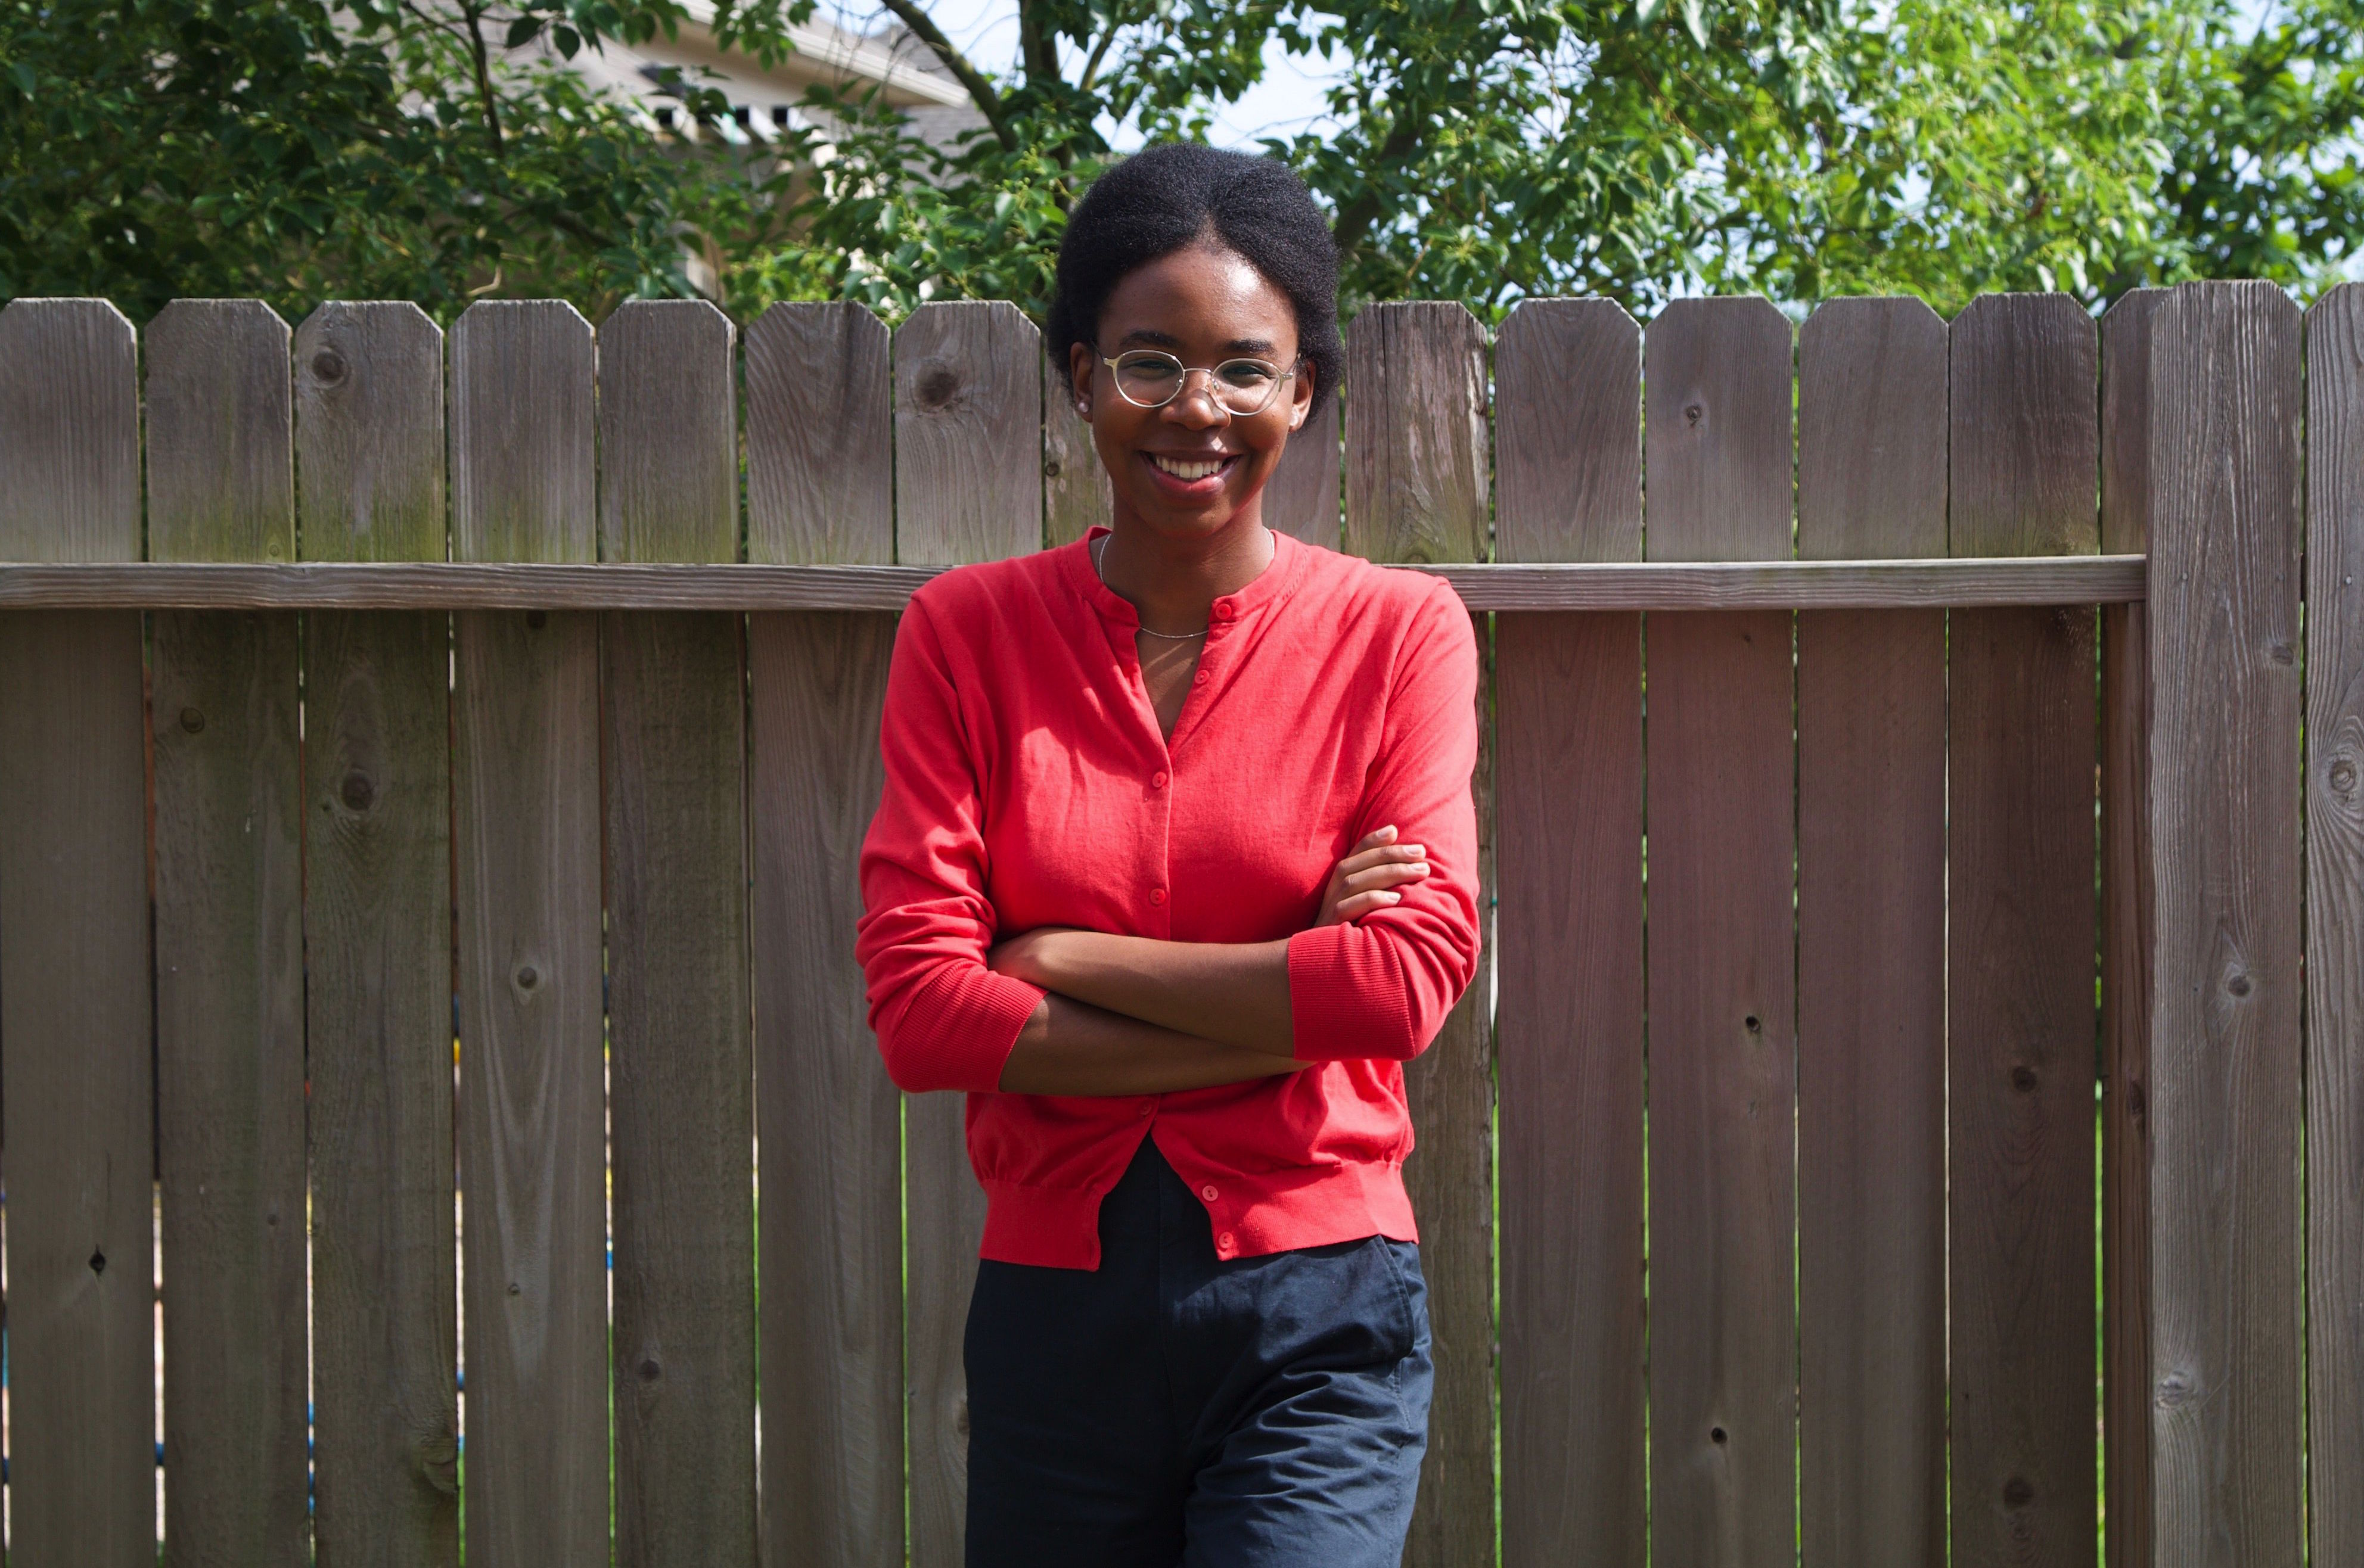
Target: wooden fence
column 1937, row 851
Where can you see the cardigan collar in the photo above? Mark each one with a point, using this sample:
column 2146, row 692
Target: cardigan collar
column 1268, row 586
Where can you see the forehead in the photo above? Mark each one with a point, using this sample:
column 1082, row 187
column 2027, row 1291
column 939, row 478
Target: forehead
column 1202, row 299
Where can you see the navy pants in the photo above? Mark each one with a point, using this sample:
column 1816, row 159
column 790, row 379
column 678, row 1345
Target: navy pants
column 1172, row 1407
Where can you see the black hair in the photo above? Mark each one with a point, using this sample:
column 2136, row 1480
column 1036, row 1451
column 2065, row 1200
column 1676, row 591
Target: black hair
column 1161, row 200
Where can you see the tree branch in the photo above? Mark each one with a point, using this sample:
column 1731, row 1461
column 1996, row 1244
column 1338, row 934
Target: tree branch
column 1099, row 52
column 1354, row 219
column 980, row 91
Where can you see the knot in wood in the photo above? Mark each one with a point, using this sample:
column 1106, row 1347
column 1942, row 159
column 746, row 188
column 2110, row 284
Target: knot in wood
column 192, row 721
column 2283, row 653
column 536, row 619
column 2023, row 1078
column 1694, row 412
column 357, row 792
column 1051, row 468
column 1753, row 1023
column 528, row 978
column 2017, row 1493
column 1718, row 1436
column 98, row 1262
column 2239, row 985
column 2343, row 778
column 938, row 387
column 650, row 1371
column 328, row 367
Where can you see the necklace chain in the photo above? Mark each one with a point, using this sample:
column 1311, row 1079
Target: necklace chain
column 1100, row 548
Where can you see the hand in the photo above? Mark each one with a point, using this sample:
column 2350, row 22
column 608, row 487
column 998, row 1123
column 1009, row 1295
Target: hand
column 1364, row 880
column 1022, row 957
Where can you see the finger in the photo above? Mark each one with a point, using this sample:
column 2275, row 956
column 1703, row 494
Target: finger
column 1386, row 876
column 1364, row 903
column 1378, row 836
column 1383, row 856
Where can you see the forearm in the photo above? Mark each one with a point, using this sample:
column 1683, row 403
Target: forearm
column 1071, row 1047
column 1236, row 993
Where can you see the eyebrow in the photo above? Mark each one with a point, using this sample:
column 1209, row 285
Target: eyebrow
column 1150, row 339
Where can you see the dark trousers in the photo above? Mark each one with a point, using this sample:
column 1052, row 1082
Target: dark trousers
column 1172, row 1407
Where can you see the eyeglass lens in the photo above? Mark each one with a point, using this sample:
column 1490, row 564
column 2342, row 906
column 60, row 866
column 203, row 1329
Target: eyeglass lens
column 1153, row 380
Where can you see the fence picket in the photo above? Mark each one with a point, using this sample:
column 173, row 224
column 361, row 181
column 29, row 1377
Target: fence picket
column 1301, row 497
column 832, row 1121
column 2126, row 933
column 2334, row 882
column 681, row 1071
column 1416, row 467
column 2225, row 531
column 526, row 779
column 968, row 487
column 1076, row 491
column 75, row 995
column 2022, row 459
column 1871, row 948
column 377, row 943
column 229, row 953
column 1568, row 1020
column 1721, row 948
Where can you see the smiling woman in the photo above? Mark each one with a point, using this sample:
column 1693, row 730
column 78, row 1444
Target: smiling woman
column 1175, row 867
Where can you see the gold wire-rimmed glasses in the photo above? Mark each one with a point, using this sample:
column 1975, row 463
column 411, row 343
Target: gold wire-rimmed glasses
column 1152, row 378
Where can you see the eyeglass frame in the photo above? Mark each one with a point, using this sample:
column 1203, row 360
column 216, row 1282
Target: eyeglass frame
column 1266, row 406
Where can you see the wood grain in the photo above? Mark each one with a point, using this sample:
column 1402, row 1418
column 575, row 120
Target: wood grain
column 1075, row 489
column 1302, row 497
column 829, row 1119
column 2335, row 882
column 526, row 785
column 1416, row 465
column 2126, row 933
column 377, row 943
column 75, row 978
column 1567, row 1023
column 681, row 1068
column 968, row 427
column 229, row 949
column 968, row 487
column 2227, row 1286
column 1483, row 585
column 1871, row 949
column 821, row 437
column 2021, row 1050
column 1722, row 950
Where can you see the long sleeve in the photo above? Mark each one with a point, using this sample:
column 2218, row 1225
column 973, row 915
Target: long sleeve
column 943, row 1021
column 1381, row 986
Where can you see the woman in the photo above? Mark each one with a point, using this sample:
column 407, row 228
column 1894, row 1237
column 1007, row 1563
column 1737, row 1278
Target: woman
column 1174, row 866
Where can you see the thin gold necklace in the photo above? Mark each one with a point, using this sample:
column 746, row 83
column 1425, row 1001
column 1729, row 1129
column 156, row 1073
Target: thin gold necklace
column 1099, row 546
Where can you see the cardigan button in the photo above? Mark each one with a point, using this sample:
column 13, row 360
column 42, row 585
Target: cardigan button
column 1208, row 1193
column 1224, row 1243
column 1157, row 896
column 1157, row 780
column 1199, row 679
column 1224, row 610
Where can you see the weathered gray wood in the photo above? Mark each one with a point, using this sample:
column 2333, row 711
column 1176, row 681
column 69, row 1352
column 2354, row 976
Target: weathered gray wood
column 526, row 782
column 1075, row 490
column 2126, row 932
column 74, row 997
column 1416, row 466
column 829, row 1119
column 1567, row 1021
column 2335, row 882
column 681, row 1071
column 1301, row 497
column 377, row 943
column 1871, row 949
column 832, row 1126
column 968, row 427
column 2226, row 521
column 230, row 948
column 2024, row 444
column 968, row 480
column 1483, row 585
column 1721, row 987
column 821, row 437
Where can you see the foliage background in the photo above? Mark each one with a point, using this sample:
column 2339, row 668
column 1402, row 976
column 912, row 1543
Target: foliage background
column 1480, row 149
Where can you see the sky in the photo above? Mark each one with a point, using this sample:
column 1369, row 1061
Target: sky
column 1289, row 99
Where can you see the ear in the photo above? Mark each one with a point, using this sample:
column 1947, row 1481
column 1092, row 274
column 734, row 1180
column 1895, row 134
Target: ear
column 1081, row 363
column 1300, row 397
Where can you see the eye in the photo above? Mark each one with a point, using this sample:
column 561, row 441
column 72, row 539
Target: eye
column 1252, row 375
column 1149, row 369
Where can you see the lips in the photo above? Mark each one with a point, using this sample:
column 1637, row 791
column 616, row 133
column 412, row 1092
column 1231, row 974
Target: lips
column 1190, row 470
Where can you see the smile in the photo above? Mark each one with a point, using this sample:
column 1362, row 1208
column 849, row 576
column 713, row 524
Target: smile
column 1191, row 468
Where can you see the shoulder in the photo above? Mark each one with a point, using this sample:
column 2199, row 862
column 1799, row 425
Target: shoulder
column 1389, row 603
column 985, row 600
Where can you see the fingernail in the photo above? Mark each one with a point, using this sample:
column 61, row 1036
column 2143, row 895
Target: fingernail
column 1392, row 897
column 1415, row 850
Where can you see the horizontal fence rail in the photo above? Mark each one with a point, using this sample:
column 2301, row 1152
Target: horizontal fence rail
column 1559, row 585
column 432, row 770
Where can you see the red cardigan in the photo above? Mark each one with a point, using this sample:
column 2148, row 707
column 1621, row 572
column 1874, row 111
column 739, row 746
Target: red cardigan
column 1026, row 784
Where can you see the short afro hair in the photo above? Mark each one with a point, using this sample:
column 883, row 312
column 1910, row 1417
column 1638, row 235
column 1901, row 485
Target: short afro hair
column 1163, row 199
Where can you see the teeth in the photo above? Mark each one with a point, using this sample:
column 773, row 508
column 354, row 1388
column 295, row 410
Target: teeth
column 1180, row 469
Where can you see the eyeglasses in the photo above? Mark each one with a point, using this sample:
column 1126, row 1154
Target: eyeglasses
column 1151, row 378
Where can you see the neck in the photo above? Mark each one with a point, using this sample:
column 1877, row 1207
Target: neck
column 1173, row 582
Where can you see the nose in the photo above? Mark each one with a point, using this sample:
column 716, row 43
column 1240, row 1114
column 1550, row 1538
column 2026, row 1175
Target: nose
column 1204, row 409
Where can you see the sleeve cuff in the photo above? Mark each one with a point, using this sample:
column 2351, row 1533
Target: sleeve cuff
column 961, row 1027
column 1345, row 1000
